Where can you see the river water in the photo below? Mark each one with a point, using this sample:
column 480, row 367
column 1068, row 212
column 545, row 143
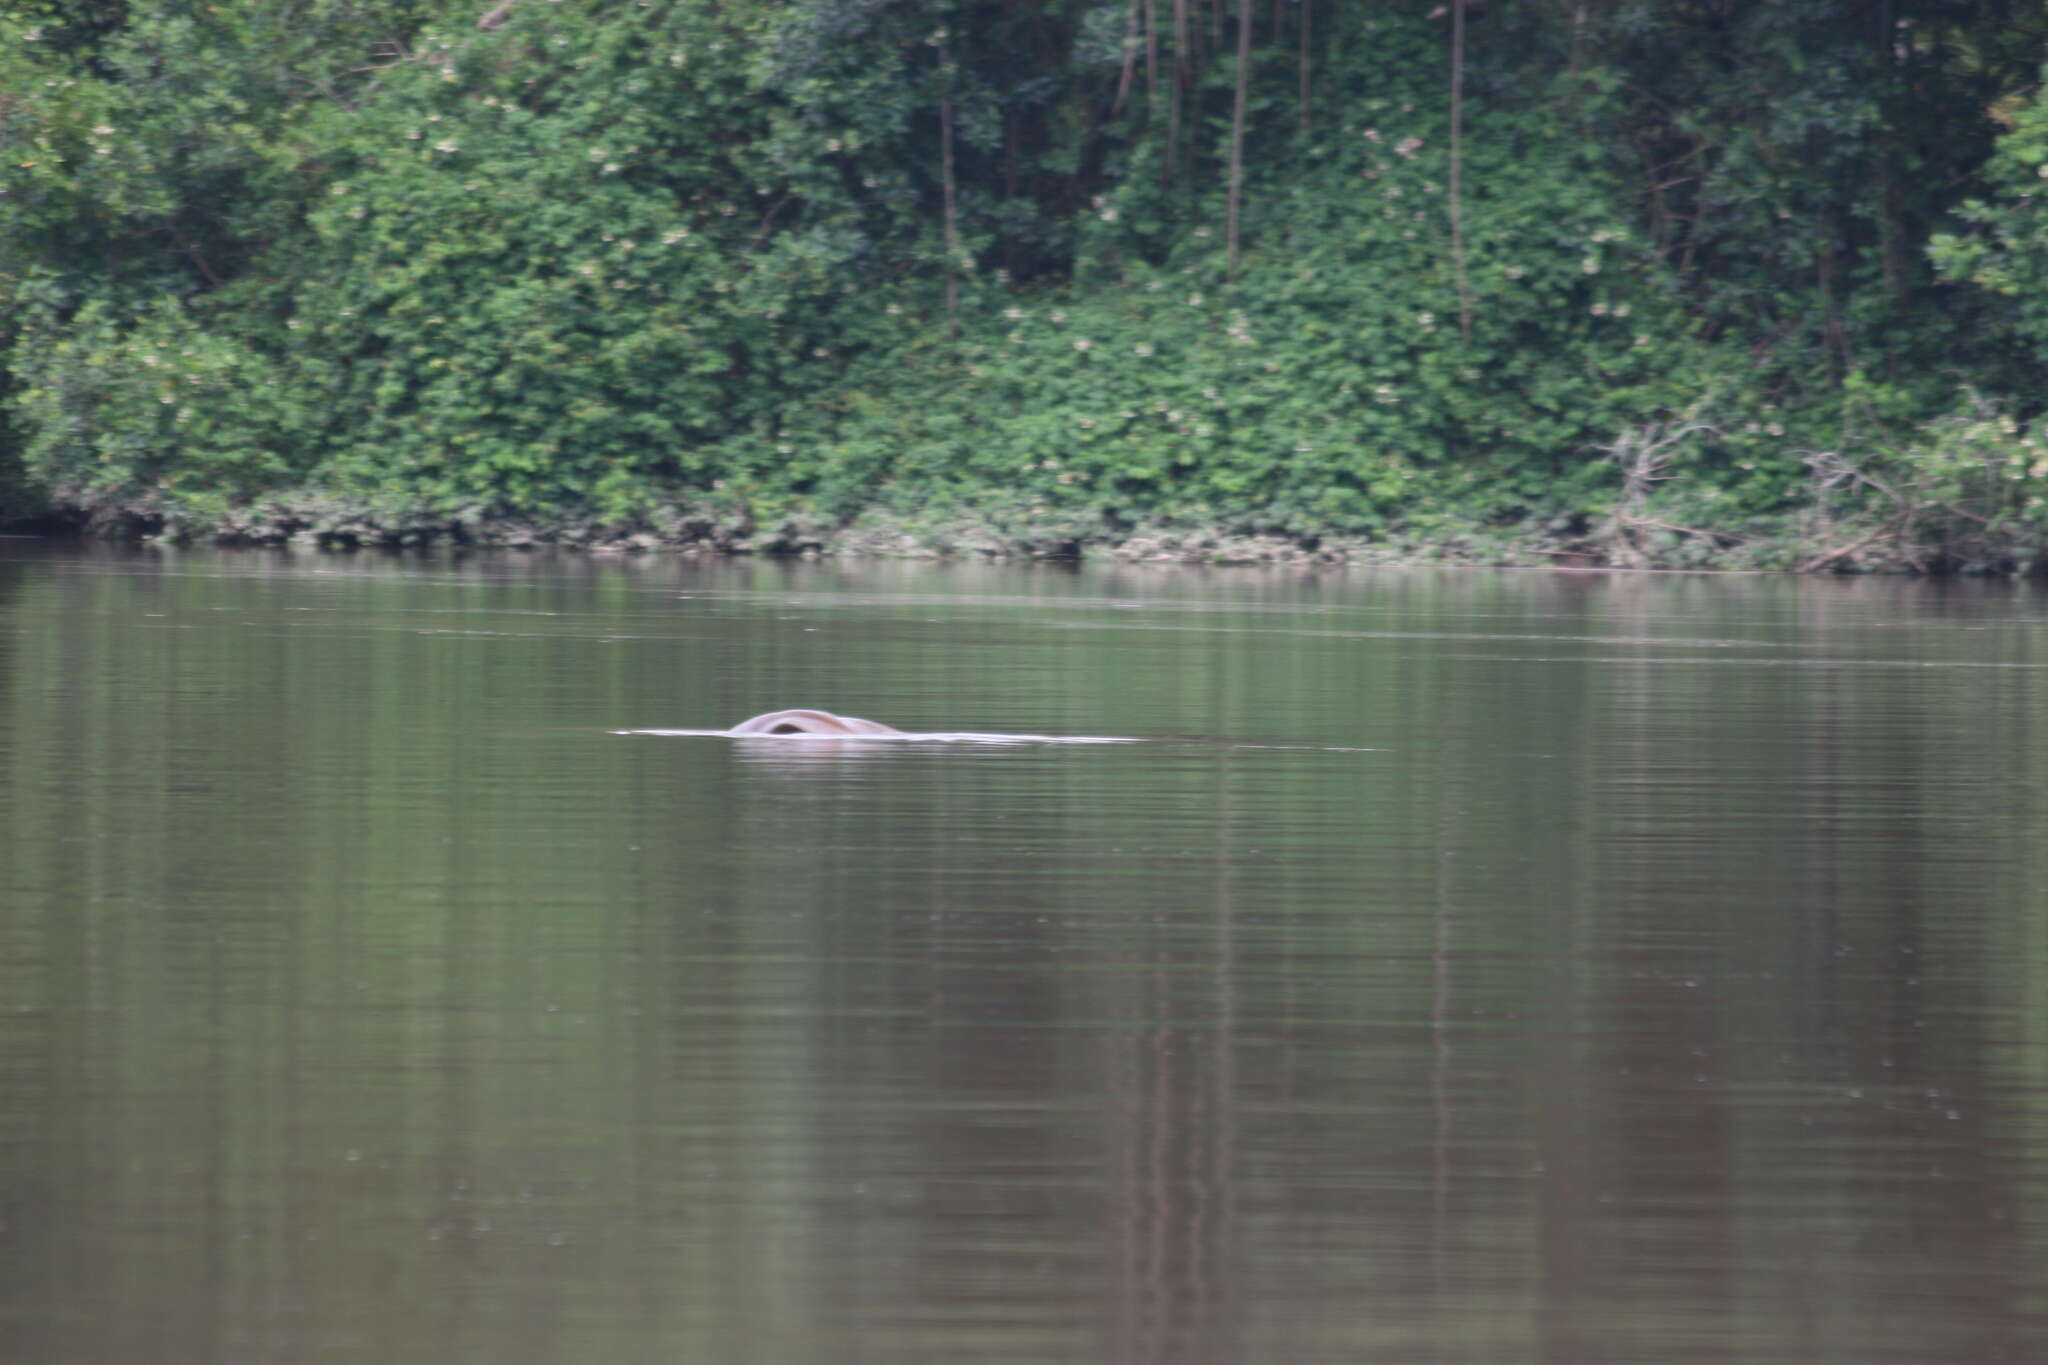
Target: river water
column 1459, row 967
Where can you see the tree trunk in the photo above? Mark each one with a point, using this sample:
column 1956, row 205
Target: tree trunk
column 1180, row 85
column 951, row 202
column 1233, row 199
column 1151, row 53
column 1891, row 217
column 1840, row 358
column 1011, row 175
column 1130, row 71
column 1456, row 205
column 1308, row 10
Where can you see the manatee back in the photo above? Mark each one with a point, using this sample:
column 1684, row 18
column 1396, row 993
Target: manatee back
column 807, row 722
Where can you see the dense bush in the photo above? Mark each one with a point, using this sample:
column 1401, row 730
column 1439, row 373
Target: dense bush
column 762, row 271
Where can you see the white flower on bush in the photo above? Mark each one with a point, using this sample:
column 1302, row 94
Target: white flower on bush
column 446, row 144
column 1083, row 344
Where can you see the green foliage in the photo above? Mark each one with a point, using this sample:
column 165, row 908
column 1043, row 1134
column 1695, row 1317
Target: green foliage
column 138, row 412
column 149, row 153
column 685, row 264
column 1965, row 492
column 1328, row 391
column 2004, row 249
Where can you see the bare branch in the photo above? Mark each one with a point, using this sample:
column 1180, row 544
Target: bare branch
column 1645, row 454
column 1844, row 551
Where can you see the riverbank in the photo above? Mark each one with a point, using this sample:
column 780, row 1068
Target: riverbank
column 688, row 278
column 1807, row 541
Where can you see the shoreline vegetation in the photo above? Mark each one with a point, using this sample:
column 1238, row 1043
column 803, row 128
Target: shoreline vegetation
column 1246, row 281
column 1653, row 547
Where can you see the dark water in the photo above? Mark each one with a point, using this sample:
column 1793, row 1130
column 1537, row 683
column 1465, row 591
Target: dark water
column 1469, row 967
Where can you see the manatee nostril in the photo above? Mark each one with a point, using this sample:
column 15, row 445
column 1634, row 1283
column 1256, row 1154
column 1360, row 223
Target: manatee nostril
column 787, row 729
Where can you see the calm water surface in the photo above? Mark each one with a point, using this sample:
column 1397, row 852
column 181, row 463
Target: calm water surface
column 1466, row 967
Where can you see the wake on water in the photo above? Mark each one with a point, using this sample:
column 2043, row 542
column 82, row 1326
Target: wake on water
column 936, row 737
